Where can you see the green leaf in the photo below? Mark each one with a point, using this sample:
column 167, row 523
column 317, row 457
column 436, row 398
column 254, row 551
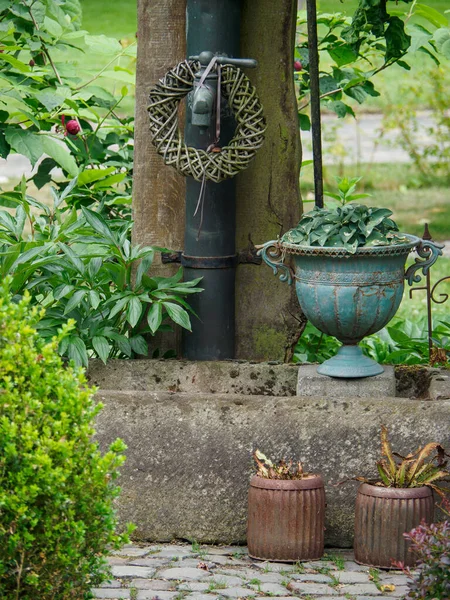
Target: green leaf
column 419, row 36
column 53, row 27
column 75, row 301
column 89, row 175
column 100, row 44
column 62, row 291
column 110, row 181
column 26, row 143
column 143, row 267
column 98, row 223
column 340, row 108
column 60, row 154
column 123, row 342
column 94, row 299
column 43, row 176
column 397, row 40
column 442, row 39
column 119, row 306
column 178, row 315
column 4, row 146
column 101, row 347
column 431, row 14
column 342, row 54
column 14, row 62
column 76, row 351
column 304, row 122
column 134, row 311
column 73, row 258
column 328, row 84
column 356, row 92
column 154, row 317
column 139, row 345
column 52, row 98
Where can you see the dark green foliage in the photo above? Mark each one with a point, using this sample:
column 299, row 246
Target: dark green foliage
column 41, row 92
column 80, row 265
column 57, row 521
column 314, row 346
column 380, row 34
column 350, row 227
column 403, row 342
column 372, row 20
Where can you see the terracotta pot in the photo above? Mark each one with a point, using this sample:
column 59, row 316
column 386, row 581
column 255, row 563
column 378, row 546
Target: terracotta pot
column 286, row 519
column 382, row 516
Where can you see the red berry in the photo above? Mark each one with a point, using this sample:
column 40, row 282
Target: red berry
column 73, row 127
column 298, row 65
column 31, row 63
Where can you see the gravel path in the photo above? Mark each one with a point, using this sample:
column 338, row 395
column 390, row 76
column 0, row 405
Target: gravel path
column 192, row 572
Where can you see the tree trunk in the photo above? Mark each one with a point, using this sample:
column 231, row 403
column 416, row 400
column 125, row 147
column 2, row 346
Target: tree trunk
column 268, row 202
column 158, row 191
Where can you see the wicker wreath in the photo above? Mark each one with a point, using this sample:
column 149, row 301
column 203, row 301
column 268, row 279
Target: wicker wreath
column 215, row 164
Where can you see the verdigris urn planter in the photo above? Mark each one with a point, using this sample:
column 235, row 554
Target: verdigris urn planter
column 350, row 296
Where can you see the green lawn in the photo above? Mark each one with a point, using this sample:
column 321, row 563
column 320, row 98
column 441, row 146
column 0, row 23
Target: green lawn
column 115, row 19
column 349, row 6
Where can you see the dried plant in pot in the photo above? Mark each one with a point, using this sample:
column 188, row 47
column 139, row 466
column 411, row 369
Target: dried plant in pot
column 397, row 502
column 286, row 512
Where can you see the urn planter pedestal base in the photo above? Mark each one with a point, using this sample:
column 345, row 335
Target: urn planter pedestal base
column 311, row 383
column 350, row 363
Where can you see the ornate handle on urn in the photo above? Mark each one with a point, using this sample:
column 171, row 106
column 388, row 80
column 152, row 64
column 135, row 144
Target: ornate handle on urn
column 273, row 255
column 428, row 253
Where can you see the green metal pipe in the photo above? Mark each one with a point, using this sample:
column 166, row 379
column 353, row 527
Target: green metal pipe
column 212, row 25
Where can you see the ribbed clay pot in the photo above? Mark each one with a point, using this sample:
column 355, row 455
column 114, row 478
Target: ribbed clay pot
column 286, row 519
column 382, row 516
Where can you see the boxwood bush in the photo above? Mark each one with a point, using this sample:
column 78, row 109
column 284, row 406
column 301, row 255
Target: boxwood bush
column 57, row 521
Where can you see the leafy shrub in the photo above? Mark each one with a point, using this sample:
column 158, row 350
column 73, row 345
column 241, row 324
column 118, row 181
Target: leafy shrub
column 315, row 346
column 432, row 545
column 380, row 34
column 57, row 521
column 79, row 265
column 49, row 106
column 404, row 342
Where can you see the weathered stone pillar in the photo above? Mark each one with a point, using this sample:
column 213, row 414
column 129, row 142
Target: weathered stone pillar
column 268, row 198
column 158, row 191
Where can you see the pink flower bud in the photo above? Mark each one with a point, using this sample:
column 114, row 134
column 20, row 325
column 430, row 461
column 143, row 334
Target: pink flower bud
column 73, row 127
column 298, row 65
column 31, row 63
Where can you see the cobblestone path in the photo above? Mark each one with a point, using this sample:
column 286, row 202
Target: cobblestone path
column 192, row 572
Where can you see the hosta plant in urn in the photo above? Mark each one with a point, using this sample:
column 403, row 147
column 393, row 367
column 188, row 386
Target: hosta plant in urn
column 349, row 272
column 286, row 512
